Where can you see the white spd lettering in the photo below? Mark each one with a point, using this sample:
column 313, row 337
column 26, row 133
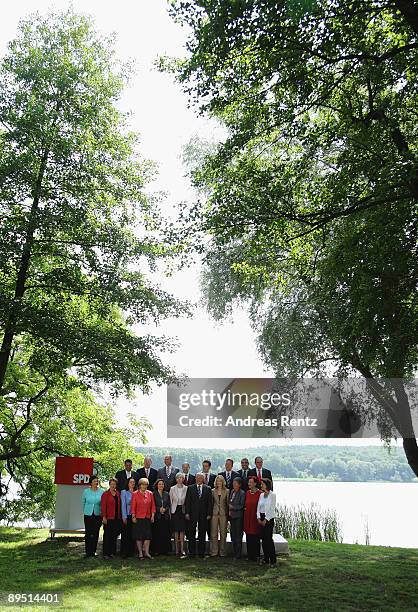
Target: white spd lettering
column 81, row 478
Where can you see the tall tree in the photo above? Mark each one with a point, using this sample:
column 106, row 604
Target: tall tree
column 78, row 241
column 311, row 201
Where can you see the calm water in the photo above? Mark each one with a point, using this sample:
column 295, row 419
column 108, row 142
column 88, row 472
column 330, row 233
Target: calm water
column 390, row 509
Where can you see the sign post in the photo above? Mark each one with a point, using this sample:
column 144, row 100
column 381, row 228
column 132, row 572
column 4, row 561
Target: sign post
column 72, row 475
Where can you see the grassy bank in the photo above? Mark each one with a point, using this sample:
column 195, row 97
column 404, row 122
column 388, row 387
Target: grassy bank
column 315, row 576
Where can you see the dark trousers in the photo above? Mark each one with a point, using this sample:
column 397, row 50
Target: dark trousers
column 110, row 535
column 253, row 546
column 92, row 526
column 236, row 535
column 201, row 527
column 189, row 529
column 127, row 544
column 268, row 543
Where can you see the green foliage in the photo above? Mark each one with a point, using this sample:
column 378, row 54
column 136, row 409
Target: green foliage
column 310, row 203
column 79, row 240
column 307, row 523
column 66, row 420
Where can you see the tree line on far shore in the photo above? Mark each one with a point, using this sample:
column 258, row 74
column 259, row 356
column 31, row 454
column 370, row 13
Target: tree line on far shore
column 331, row 463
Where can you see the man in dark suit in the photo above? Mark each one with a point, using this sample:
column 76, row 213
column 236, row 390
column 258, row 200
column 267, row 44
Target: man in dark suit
column 123, row 476
column 229, row 473
column 168, row 473
column 244, row 472
column 259, row 472
column 198, row 507
column 148, row 472
column 189, row 479
column 209, row 480
column 208, row 477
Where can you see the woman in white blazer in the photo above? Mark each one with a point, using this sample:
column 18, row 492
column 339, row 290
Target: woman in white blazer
column 178, row 519
column 266, row 511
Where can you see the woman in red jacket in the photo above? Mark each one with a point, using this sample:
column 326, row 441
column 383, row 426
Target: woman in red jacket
column 252, row 527
column 111, row 518
column 143, row 511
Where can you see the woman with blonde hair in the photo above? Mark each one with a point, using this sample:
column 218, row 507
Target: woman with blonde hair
column 178, row 519
column 219, row 520
column 143, row 512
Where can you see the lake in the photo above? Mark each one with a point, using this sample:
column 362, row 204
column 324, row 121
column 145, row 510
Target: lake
column 379, row 505
column 389, row 509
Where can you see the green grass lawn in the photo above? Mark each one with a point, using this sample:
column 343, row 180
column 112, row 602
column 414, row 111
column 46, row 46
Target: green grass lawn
column 315, row 576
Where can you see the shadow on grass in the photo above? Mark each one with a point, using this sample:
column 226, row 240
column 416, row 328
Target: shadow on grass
column 59, row 565
column 318, row 576
column 17, row 535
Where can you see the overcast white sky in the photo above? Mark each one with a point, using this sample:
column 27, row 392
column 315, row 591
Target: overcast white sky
column 144, row 30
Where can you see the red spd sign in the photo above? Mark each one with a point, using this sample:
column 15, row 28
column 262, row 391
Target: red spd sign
column 73, row 470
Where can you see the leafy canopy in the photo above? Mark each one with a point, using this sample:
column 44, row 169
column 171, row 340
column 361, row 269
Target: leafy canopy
column 79, row 241
column 310, row 203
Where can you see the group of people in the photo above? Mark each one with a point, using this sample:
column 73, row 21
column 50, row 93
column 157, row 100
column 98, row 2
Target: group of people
column 148, row 506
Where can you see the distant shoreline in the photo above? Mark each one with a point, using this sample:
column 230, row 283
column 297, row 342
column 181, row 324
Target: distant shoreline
column 309, row 463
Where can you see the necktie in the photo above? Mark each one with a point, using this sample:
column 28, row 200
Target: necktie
column 168, row 471
column 186, row 479
column 206, row 478
column 245, row 473
column 200, row 491
column 228, row 479
column 147, row 472
column 259, row 474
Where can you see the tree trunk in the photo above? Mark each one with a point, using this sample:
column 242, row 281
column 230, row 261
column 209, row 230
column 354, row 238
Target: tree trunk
column 409, row 439
column 399, row 411
column 409, row 10
column 410, row 447
column 10, row 328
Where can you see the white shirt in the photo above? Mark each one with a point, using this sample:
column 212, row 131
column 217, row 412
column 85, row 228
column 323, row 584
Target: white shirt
column 177, row 496
column 267, row 505
column 128, row 474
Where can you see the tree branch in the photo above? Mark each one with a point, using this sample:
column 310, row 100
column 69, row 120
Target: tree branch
column 409, row 9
